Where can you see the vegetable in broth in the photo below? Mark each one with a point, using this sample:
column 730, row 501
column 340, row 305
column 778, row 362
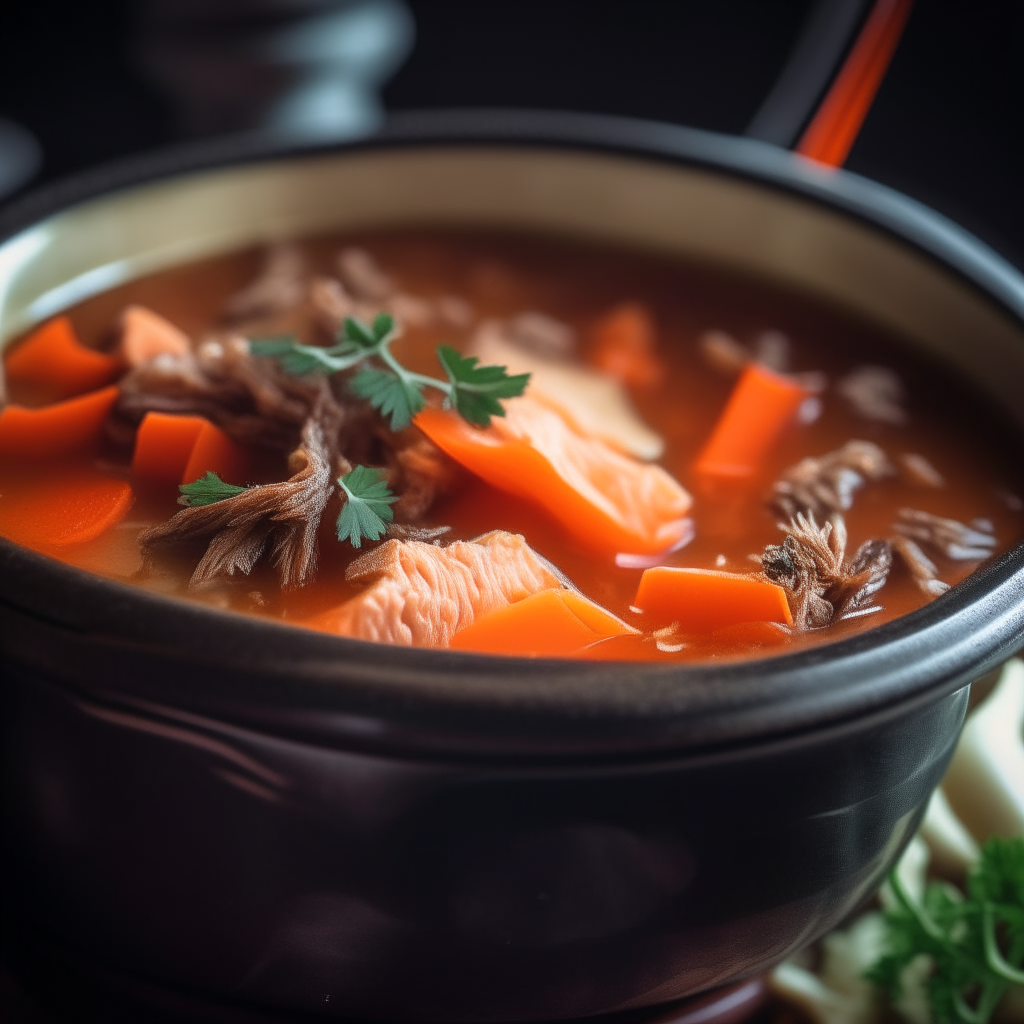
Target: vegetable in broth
column 502, row 444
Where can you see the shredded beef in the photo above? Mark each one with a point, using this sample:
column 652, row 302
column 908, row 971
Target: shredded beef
column 362, row 276
column 260, row 405
column 773, row 350
column 952, row 538
column 280, row 286
column 542, row 335
column 330, row 304
column 418, row 472
column 279, row 521
column 455, row 311
column 876, row 393
column 919, row 471
column 922, row 569
column 821, row 586
column 425, row 534
column 722, row 352
column 824, row 484
column 252, row 400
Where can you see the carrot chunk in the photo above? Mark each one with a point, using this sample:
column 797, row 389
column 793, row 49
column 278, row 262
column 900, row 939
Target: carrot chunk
column 71, row 508
column 703, row 600
column 57, row 429
column 52, row 364
column 760, row 407
column 549, row 624
column 164, row 444
column 606, row 500
column 215, row 452
column 146, row 335
column 623, row 346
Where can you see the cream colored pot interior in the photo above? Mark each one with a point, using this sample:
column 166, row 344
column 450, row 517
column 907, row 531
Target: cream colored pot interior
column 109, row 240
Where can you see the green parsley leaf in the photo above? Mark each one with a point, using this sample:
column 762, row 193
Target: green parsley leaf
column 356, row 335
column 207, row 490
column 277, row 346
column 475, row 390
column 367, row 507
column 294, row 358
column 383, row 325
column 999, row 876
column 975, row 944
column 392, row 395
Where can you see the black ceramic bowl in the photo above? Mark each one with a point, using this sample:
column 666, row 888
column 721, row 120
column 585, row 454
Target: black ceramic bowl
column 228, row 806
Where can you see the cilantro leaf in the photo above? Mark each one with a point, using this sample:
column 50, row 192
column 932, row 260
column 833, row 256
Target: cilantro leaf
column 207, row 490
column 476, row 390
column 367, row 507
column 392, row 395
column 975, row 944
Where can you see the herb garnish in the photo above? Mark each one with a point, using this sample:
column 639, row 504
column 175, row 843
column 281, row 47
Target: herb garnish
column 208, row 489
column 473, row 391
column 975, row 943
column 367, row 507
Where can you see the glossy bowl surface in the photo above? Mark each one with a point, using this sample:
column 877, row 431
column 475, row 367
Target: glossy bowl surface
column 234, row 807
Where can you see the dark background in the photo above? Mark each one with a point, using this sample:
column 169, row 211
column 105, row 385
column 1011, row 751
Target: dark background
column 945, row 127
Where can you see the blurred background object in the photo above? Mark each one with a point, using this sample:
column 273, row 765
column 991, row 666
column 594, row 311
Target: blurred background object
column 20, row 156
column 93, row 82
column 296, row 69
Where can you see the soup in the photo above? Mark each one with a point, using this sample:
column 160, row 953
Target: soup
column 503, row 444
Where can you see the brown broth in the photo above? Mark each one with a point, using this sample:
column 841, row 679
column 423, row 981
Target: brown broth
column 501, row 275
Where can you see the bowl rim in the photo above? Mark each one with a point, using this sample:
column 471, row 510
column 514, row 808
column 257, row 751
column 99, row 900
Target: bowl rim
column 175, row 657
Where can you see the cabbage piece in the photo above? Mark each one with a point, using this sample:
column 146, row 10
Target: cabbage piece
column 985, row 782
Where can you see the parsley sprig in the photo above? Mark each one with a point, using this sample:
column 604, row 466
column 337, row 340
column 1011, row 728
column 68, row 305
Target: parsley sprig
column 207, row 490
column 975, row 943
column 367, row 508
column 364, row 515
column 475, row 392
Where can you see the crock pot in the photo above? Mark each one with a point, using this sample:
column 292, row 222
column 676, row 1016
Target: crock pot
column 234, row 808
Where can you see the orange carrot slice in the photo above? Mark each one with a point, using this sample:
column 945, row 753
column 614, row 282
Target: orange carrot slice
column 552, row 623
column 52, row 363
column 760, row 407
column 164, row 444
column 624, row 342
column 606, row 500
column 71, row 508
column 215, row 452
column 57, row 429
column 146, row 335
column 703, row 600
column 744, row 635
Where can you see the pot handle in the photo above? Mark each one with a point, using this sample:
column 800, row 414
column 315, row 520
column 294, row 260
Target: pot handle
column 826, row 134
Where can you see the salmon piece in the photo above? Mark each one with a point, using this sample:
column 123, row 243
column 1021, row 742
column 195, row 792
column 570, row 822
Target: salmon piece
column 608, row 501
column 594, row 403
column 421, row 595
